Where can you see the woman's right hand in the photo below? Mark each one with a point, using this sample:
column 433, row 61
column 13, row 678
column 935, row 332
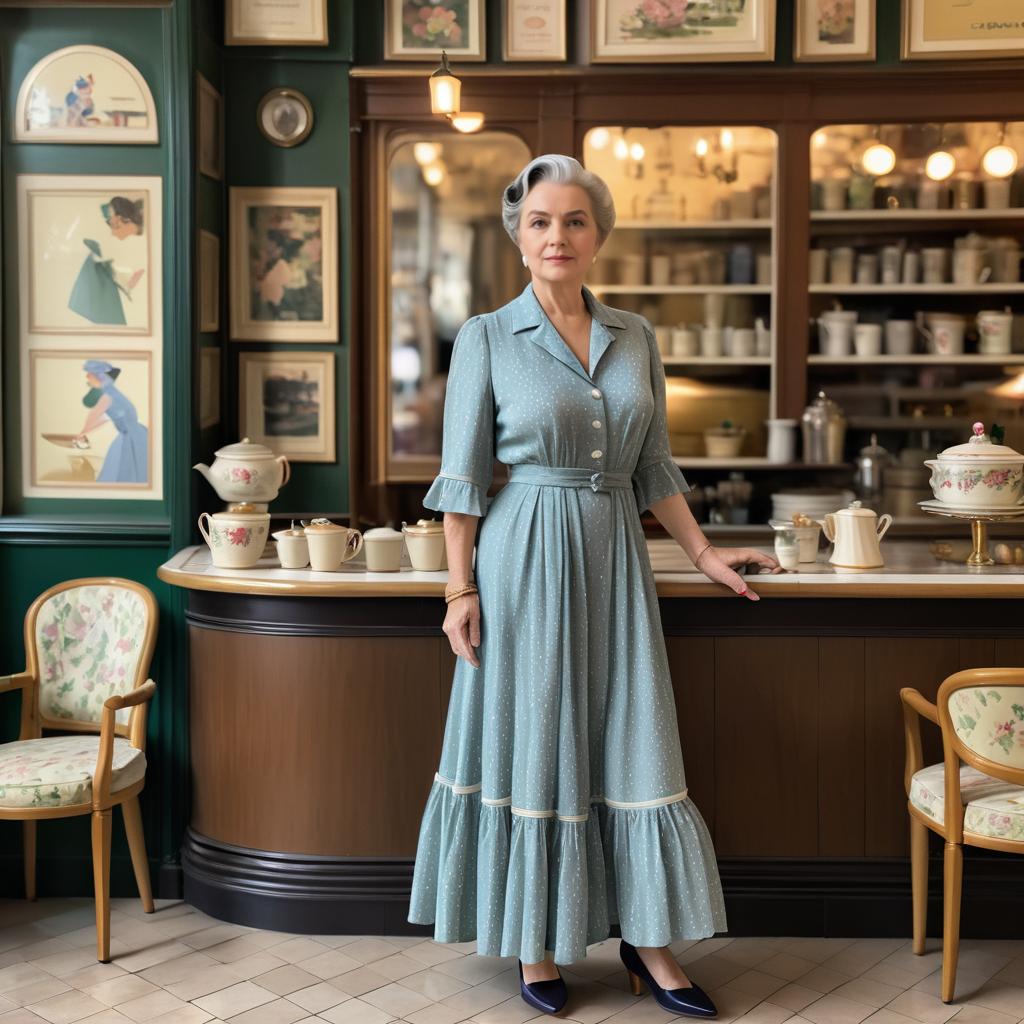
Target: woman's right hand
column 462, row 627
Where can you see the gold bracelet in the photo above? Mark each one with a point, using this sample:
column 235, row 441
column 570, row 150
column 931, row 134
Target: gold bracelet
column 703, row 550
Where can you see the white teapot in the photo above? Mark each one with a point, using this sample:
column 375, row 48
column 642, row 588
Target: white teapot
column 246, row 471
column 856, row 531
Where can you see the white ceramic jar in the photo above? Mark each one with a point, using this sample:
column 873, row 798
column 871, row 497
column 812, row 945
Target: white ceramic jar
column 425, row 542
column 384, row 549
column 978, row 474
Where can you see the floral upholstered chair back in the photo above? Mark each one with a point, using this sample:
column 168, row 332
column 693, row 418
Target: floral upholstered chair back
column 985, row 710
column 92, row 639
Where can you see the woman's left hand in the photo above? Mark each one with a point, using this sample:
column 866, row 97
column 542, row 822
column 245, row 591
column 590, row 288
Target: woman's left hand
column 735, row 557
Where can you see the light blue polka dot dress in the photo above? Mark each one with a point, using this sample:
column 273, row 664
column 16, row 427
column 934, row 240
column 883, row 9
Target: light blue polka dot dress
column 559, row 806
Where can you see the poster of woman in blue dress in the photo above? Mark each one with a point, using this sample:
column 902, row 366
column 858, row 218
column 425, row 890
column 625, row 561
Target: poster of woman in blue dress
column 127, row 458
column 104, row 282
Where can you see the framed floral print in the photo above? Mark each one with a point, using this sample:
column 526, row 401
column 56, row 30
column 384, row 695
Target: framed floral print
column 420, row 29
column 85, row 94
column 834, row 30
column 258, row 23
column 283, row 260
column 628, row 31
column 286, row 401
column 534, row 30
column 959, row 30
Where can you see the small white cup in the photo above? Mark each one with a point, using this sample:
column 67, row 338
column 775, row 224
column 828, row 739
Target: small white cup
column 867, row 339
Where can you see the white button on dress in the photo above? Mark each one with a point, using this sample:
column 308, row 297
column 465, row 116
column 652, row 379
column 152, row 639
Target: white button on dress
column 596, row 453
column 596, row 393
column 596, row 423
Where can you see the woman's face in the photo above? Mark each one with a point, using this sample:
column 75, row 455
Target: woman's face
column 557, row 232
column 92, row 380
column 120, row 227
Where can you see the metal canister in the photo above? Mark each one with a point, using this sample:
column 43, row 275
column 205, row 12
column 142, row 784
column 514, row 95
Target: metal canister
column 871, row 463
column 824, row 430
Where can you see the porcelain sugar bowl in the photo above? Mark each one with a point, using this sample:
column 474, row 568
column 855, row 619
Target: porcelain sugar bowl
column 978, row 474
column 246, row 471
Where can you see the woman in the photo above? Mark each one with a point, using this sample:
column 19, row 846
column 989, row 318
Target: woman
column 127, row 458
column 560, row 807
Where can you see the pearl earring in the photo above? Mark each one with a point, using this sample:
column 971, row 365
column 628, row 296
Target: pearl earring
column 525, row 261
column 594, row 260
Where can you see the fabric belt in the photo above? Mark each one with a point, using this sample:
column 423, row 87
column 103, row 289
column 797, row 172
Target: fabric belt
column 568, row 476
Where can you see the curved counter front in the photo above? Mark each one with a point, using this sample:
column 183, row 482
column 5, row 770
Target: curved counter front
column 318, row 704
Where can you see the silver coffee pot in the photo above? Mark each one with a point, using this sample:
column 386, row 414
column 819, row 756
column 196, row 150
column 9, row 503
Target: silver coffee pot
column 871, row 463
column 824, row 430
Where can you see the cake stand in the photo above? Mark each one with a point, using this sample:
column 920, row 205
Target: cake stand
column 979, row 519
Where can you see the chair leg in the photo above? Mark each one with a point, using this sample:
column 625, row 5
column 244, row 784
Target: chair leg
column 101, row 821
column 137, row 845
column 28, row 838
column 919, row 880
column 953, row 874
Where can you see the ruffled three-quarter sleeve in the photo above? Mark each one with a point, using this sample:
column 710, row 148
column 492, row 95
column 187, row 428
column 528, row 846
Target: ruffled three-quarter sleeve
column 656, row 475
column 467, row 447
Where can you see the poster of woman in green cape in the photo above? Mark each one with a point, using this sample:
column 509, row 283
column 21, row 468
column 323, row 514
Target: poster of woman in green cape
column 106, row 279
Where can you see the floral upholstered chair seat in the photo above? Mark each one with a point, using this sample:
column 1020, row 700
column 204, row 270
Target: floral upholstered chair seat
column 57, row 771
column 991, row 807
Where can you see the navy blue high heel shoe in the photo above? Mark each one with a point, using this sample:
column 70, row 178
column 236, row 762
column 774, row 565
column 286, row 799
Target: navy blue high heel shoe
column 548, row 996
column 689, row 1001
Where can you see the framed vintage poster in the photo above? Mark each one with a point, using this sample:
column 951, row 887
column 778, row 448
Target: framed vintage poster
column 90, row 250
column 421, row 29
column 629, row 31
column 534, row 30
column 209, row 387
column 209, row 130
column 283, row 278
column 91, row 424
column 959, row 30
column 85, row 94
column 283, row 23
column 209, row 282
column 834, row 30
column 286, row 401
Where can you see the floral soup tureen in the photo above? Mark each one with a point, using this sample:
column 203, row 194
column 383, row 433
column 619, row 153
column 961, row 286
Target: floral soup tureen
column 978, row 474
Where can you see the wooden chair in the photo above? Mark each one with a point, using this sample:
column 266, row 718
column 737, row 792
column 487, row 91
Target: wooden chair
column 981, row 714
column 89, row 643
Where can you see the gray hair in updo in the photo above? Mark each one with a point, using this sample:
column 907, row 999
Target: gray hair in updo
column 564, row 170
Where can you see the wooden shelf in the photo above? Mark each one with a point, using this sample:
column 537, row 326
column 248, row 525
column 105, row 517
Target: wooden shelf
column 753, row 224
column 1012, row 213
column 918, row 358
column 751, row 462
column 717, row 361
column 946, row 288
column 910, row 422
column 684, row 289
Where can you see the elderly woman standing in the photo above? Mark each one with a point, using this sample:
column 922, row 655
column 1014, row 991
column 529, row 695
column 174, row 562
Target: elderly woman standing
column 560, row 807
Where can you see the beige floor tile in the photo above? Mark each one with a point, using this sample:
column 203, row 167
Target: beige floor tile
column 395, row 999
column 213, row 936
column 120, row 990
column 1001, row 996
column 188, row 1014
column 474, row 970
column 229, row 1002
column 885, row 1016
column 46, row 948
column 712, row 971
column 283, row 980
column 239, row 948
column 814, row 948
column 890, row 975
column 983, row 1015
column 204, row 982
column 67, row 1007
column 1013, row 971
column 319, row 997
column 367, row 950
column 355, row 1011
column 478, row 997
column 766, row 1013
column 37, row 991
column 178, row 969
column 158, row 953
column 748, row 952
column 397, row 967
column 292, row 951
column 922, row 1007
column 787, row 966
column 66, row 962
column 824, row 979
column 833, row 1009
column 967, row 984
column 86, row 977
column 431, row 953
column 514, row 1010
column 107, row 1016
column 433, row 984
column 280, row 1011
column 330, row 963
column 254, row 965
column 875, row 994
column 794, row 997
column 757, row 983
column 730, row 1002
column 149, row 1007
column 435, row 1014
column 20, row 974
column 922, row 965
column 20, row 1016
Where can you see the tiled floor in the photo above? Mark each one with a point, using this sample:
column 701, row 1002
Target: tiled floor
column 178, row 966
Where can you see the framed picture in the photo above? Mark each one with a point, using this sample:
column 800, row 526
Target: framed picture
column 286, row 401
column 91, row 424
column 420, row 29
column 953, row 29
column 834, row 30
column 209, row 129
column 209, row 282
column 285, row 117
column 627, row 31
column 258, row 23
column 284, row 264
column 90, row 249
column 85, row 94
column 534, row 30
column 209, row 387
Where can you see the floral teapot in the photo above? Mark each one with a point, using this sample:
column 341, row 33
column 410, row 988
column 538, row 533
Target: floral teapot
column 246, row 471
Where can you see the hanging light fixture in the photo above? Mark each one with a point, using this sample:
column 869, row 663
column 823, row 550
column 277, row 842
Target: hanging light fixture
column 878, row 158
column 599, row 138
column 468, row 121
column 1000, row 160
column 425, row 153
column 941, row 163
column 446, row 99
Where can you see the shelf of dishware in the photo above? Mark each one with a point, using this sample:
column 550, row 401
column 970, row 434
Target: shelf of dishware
column 751, row 462
column 916, row 358
column 716, row 360
column 682, row 289
column 902, row 213
column 702, row 226
column 857, row 422
column 942, row 288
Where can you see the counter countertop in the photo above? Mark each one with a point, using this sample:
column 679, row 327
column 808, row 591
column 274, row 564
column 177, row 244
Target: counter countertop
column 911, row 570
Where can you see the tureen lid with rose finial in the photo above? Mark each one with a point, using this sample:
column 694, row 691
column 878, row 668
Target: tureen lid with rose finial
column 980, row 447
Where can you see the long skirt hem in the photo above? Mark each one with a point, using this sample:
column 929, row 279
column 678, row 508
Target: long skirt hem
column 524, row 885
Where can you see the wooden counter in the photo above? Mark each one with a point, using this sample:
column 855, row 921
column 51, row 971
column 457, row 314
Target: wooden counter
column 316, row 720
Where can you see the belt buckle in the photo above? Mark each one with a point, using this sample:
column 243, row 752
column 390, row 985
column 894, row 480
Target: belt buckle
column 596, row 481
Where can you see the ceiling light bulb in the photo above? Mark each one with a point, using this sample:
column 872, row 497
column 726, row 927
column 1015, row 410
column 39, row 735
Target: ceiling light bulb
column 636, row 151
column 701, row 149
column 426, row 152
column 1000, row 161
column 878, row 159
column 621, row 148
column 819, row 140
column 468, row 120
column 725, row 138
column 599, row 138
column 434, row 174
column 940, row 165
